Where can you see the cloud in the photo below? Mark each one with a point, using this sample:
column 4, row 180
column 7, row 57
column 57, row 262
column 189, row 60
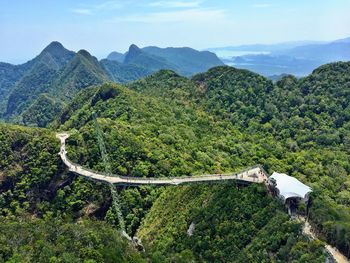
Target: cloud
column 194, row 15
column 265, row 5
column 175, row 4
column 108, row 5
column 82, row 11
column 93, row 9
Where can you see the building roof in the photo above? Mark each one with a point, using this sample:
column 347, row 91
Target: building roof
column 289, row 186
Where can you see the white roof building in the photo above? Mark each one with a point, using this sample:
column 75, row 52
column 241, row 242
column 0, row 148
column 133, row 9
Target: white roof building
column 290, row 187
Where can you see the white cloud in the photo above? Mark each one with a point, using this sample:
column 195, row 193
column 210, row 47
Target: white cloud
column 109, row 5
column 175, row 4
column 82, row 11
column 92, row 9
column 194, row 15
column 265, row 5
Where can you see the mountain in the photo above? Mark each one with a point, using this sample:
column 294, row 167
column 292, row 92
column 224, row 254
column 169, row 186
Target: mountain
column 82, row 71
column 55, row 77
column 58, row 74
column 216, row 122
column 185, row 61
column 116, row 56
column 265, row 47
column 323, row 53
column 165, row 125
column 122, row 73
column 53, row 57
column 344, row 40
column 138, row 57
column 38, row 78
column 9, row 75
column 36, row 228
column 188, row 60
column 42, row 111
column 297, row 58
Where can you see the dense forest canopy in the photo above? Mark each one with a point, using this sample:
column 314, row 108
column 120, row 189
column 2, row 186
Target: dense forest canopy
column 168, row 125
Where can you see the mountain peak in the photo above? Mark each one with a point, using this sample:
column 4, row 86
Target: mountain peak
column 54, row 46
column 116, row 56
column 133, row 52
column 133, row 47
column 56, row 54
column 84, row 53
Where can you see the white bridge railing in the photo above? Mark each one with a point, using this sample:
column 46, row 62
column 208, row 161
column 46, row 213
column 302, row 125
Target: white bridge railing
column 253, row 174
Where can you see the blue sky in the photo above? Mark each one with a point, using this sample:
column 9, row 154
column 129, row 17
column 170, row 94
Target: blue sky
column 26, row 27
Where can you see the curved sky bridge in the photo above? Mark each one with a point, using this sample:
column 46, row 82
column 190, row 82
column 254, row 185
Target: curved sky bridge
column 255, row 174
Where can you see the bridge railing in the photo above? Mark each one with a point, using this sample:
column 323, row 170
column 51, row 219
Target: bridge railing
column 160, row 179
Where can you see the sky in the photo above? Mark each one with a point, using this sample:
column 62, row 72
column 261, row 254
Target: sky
column 100, row 27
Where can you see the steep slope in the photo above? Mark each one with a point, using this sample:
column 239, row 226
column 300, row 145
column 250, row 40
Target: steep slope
column 34, row 181
column 44, row 240
column 42, row 111
column 222, row 120
column 9, row 75
column 38, row 79
column 308, row 120
column 152, row 63
column 40, row 203
column 122, row 73
column 185, row 61
column 223, row 223
column 116, row 56
column 81, row 72
column 189, row 61
column 59, row 83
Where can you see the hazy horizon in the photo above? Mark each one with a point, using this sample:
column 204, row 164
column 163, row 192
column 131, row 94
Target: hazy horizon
column 105, row 26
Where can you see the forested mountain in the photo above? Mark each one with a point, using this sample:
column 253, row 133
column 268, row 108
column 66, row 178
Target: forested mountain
column 219, row 121
column 137, row 56
column 82, row 71
column 188, row 60
column 43, row 85
column 38, row 78
column 57, row 73
column 9, row 75
column 40, row 202
column 228, row 225
column 116, row 56
column 122, row 73
column 185, row 61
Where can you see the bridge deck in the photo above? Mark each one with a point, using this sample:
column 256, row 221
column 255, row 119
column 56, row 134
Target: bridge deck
column 251, row 175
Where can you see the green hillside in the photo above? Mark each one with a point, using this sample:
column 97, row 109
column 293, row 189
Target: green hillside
column 41, row 94
column 167, row 125
column 9, row 75
column 54, row 240
column 40, row 203
column 122, row 73
column 137, row 56
column 42, row 111
column 59, row 74
column 81, row 72
column 227, row 119
column 229, row 224
column 37, row 79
